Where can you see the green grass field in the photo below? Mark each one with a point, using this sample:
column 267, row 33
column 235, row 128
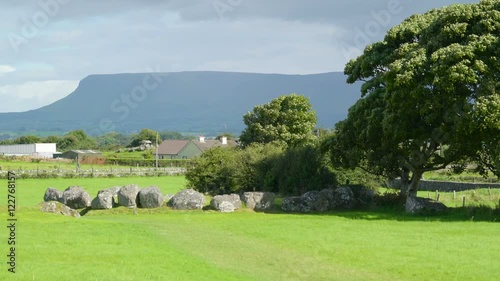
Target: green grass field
column 163, row 244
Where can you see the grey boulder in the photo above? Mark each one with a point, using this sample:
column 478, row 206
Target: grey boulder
column 258, row 201
column 150, row 197
column 301, row 204
column 226, row 203
column 343, row 198
column 52, row 194
column 58, row 208
column 424, row 206
column 76, row 197
column 188, row 199
column 104, row 200
column 127, row 196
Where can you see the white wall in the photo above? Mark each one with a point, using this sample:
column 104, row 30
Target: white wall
column 45, row 147
column 17, row 149
column 45, row 150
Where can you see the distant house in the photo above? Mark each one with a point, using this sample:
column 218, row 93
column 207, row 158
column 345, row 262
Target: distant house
column 38, row 150
column 187, row 149
column 81, row 154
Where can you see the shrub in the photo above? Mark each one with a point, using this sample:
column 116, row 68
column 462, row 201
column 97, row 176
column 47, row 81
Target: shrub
column 260, row 167
column 212, row 171
column 298, row 170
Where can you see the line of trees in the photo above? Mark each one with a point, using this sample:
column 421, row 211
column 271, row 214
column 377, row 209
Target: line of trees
column 79, row 139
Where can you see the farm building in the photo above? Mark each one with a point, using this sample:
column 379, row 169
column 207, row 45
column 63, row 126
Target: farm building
column 81, row 154
column 39, row 150
column 187, row 149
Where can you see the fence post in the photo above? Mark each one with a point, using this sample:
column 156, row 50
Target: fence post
column 454, row 195
column 463, row 201
column 437, row 195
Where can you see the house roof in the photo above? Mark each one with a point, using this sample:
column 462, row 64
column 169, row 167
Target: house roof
column 172, row 147
column 213, row 143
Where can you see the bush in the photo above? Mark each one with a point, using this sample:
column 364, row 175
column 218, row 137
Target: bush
column 260, row 167
column 299, row 170
column 213, row 171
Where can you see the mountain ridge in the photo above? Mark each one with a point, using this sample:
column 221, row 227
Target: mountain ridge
column 189, row 101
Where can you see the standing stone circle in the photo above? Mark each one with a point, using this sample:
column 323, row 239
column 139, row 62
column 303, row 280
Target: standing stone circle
column 150, row 197
column 226, row 203
column 127, row 196
column 188, row 199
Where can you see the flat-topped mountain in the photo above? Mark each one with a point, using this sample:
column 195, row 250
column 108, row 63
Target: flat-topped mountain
column 196, row 102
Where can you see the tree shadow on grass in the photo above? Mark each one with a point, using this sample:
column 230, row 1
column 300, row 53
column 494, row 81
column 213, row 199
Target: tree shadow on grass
column 471, row 213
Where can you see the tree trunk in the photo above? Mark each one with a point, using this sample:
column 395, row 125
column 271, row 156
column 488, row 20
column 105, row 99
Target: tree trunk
column 405, row 184
column 413, row 187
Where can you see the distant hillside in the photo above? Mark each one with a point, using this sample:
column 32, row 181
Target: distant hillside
column 196, row 102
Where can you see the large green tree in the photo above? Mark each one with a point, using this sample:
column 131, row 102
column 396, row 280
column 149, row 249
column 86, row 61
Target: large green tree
column 144, row 134
column 426, row 94
column 288, row 119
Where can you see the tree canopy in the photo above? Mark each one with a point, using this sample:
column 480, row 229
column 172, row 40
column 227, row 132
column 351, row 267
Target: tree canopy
column 144, row 134
column 288, row 119
column 429, row 96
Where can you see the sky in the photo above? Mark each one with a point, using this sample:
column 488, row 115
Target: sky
column 48, row 46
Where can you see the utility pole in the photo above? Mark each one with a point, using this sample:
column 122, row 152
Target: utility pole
column 156, row 156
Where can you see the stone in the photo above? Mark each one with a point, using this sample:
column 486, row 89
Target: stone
column 294, row 204
column 52, row 194
column 104, row 200
column 301, row 204
column 226, row 203
column 150, row 197
column 127, row 196
column 114, row 192
column 343, row 198
column 259, row 201
column 76, row 197
column 58, row 208
column 325, row 200
column 365, row 196
column 320, row 201
column 188, row 199
column 424, row 206
column 168, row 197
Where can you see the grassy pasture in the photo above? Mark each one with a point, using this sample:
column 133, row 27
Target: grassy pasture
column 163, row 244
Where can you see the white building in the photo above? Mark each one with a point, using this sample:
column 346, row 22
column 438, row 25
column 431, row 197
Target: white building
column 39, row 150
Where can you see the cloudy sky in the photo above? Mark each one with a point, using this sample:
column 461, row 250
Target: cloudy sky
column 47, row 46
